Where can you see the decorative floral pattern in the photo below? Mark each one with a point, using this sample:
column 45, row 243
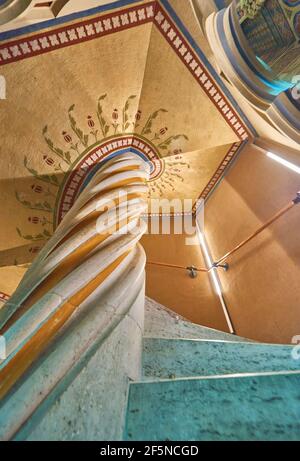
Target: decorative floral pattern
column 4, row 297
column 86, row 140
column 272, row 30
column 100, row 26
column 251, row 8
column 83, row 151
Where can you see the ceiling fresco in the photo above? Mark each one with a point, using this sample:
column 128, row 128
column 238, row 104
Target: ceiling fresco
column 80, row 91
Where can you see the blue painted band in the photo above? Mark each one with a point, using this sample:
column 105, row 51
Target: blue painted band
column 121, row 3
column 291, row 4
column 220, row 4
column 109, row 157
column 63, row 19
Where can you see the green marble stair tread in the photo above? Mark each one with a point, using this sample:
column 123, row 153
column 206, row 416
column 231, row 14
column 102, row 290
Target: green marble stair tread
column 232, row 409
column 161, row 322
column 176, row 358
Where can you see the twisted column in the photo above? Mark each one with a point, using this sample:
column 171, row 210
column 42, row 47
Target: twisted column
column 94, row 249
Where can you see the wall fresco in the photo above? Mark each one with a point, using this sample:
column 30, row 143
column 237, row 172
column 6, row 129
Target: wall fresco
column 75, row 96
column 273, row 32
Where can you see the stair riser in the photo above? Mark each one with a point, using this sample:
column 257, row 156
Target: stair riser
column 169, row 359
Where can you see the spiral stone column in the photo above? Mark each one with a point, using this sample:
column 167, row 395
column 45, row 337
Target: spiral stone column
column 80, row 288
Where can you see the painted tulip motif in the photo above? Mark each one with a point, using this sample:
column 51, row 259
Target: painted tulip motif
column 99, row 124
column 48, row 160
column 67, row 137
column 91, row 122
column 37, row 189
column 115, row 117
column 34, row 220
column 115, row 114
column 161, row 133
column 69, row 140
column 91, row 125
column 136, row 120
column 37, row 220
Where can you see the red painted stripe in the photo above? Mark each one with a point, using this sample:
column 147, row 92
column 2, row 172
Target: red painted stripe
column 73, row 34
column 86, row 164
column 193, row 63
column 4, row 297
column 103, row 25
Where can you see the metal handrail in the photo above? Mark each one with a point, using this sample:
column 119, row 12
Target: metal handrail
column 176, row 266
column 274, row 218
column 220, row 262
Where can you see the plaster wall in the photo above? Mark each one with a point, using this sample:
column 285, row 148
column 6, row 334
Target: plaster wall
column 262, row 286
column 261, row 289
column 194, row 299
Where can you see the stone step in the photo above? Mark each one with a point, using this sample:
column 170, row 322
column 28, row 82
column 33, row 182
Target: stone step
column 264, row 407
column 177, row 358
column 163, row 323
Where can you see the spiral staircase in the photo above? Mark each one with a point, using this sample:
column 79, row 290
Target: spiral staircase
column 202, row 384
column 88, row 359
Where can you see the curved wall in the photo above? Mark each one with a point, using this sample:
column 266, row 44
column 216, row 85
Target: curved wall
column 262, row 285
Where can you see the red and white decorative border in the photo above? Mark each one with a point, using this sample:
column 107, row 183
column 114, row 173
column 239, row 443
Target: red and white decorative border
column 116, row 21
column 83, row 31
column 193, row 63
column 4, row 297
column 77, row 176
column 100, row 26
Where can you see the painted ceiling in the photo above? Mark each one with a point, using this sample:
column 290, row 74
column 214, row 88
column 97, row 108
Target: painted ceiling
column 86, row 86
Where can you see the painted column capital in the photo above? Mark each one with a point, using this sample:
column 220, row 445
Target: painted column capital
column 258, row 60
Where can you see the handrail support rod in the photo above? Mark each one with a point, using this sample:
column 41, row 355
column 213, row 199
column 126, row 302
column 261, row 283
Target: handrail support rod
column 274, row 218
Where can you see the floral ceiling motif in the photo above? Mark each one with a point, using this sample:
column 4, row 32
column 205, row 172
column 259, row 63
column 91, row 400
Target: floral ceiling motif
column 84, row 146
column 126, row 79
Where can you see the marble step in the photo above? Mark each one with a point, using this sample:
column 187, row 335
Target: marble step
column 237, row 408
column 177, row 358
column 161, row 322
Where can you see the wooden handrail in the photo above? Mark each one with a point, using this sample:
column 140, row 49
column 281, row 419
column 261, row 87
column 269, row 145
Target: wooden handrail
column 176, row 266
column 274, row 218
